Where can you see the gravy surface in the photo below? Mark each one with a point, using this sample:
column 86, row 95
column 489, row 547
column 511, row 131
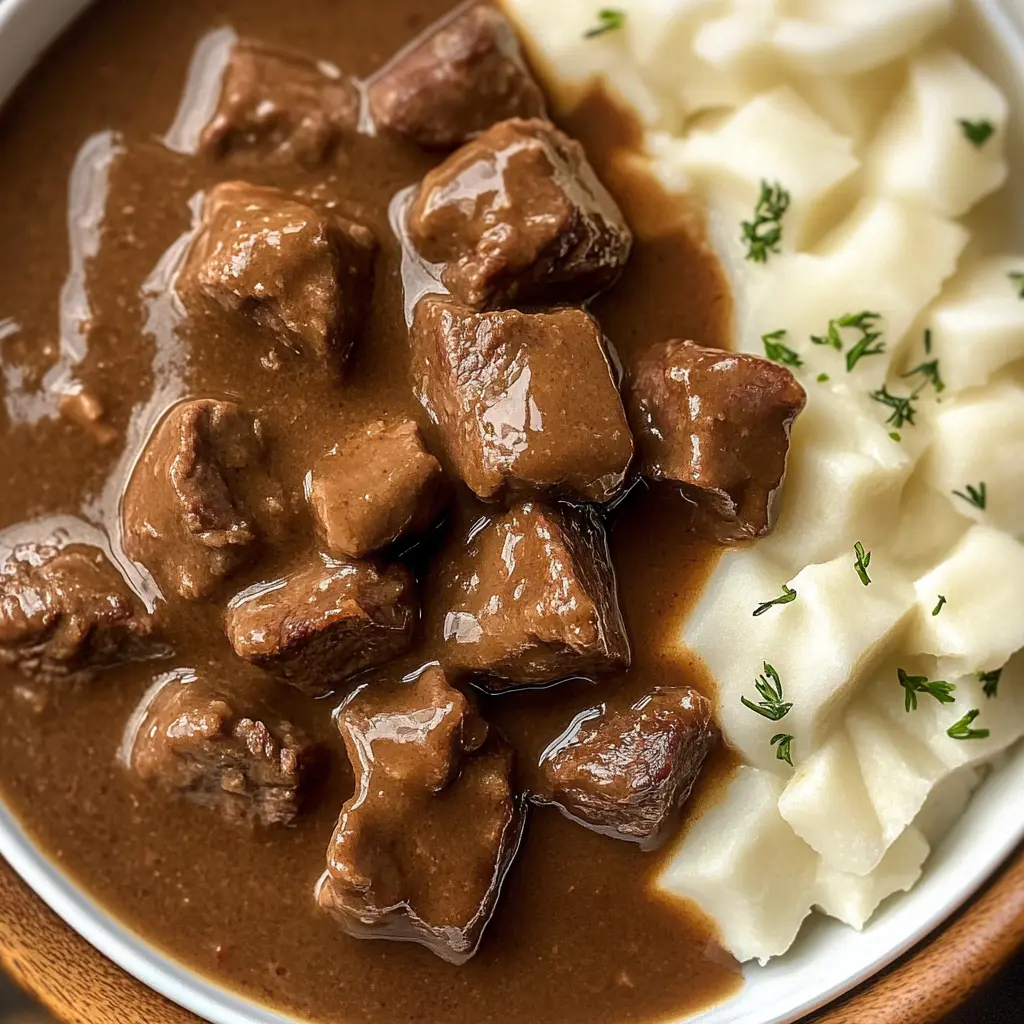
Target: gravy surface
column 91, row 202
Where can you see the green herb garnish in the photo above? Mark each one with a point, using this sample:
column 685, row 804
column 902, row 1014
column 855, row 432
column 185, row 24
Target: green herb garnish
column 769, row 687
column 1017, row 277
column 928, row 341
column 942, row 602
column 822, row 378
column 869, row 343
column 785, row 751
column 930, row 371
column 788, row 595
column 976, row 132
column 763, row 234
column 990, row 682
column 779, row 353
column 903, row 410
column 976, row 496
column 608, row 20
column 895, row 436
column 862, row 563
column 962, row 730
column 913, row 685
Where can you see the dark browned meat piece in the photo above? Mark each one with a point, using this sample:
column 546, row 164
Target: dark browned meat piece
column 67, row 613
column 463, row 76
column 321, row 626
column 372, row 490
column 220, row 750
column 280, row 105
column 423, row 846
column 183, row 513
column 527, row 400
column 302, row 276
column 530, row 599
column 519, row 216
column 717, row 423
column 625, row 773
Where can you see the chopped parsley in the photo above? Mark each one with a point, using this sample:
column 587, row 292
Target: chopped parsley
column 990, row 682
column 822, row 378
column 775, row 350
column 785, row 749
column 928, row 340
column 862, row 563
column 771, row 705
column 930, row 372
column 788, row 596
column 608, row 20
column 976, row 496
column 868, row 344
column 903, row 410
column 976, row 132
column 895, row 436
column 763, row 234
column 1017, row 277
column 913, row 685
column 962, row 730
column 942, row 602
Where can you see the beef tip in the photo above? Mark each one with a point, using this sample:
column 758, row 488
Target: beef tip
column 301, row 276
column 322, row 625
column 465, row 75
column 718, row 424
column 184, row 514
column 625, row 773
column 67, row 612
column 371, row 491
column 519, row 216
column 221, row 750
column 530, row 599
column 527, row 400
column 280, row 105
column 422, row 848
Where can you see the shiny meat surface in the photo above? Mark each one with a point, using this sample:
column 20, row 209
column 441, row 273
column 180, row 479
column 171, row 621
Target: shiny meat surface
column 625, row 772
column 375, row 488
column 426, row 772
column 221, row 751
column 510, row 411
column 320, row 626
column 519, row 216
column 718, row 424
column 456, row 81
column 530, row 599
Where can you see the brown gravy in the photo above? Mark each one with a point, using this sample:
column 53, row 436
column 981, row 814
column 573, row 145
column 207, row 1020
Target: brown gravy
column 577, row 936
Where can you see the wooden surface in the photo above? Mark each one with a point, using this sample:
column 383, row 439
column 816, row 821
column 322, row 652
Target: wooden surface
column 81, row 987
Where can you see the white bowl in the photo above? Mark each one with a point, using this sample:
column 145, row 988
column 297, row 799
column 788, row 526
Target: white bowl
column 828, row 958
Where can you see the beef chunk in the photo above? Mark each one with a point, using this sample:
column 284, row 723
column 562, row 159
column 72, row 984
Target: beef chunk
column 301, row 276
column 465, row 75
column 66, row 612
column 519, row 216
column 322, row 625
column 183, row 513
column 527, row 400
column 718, row 424
column 530, row 599
column 378, row 487
column 280, row 105
column 220, row 750
column 423, row 846
column 626, row 772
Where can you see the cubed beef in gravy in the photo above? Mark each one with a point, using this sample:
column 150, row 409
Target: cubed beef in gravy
column 422, row 847
column 302, row 276
column 523, row 400
column 718, row 424
column 67, row 612
column 220, row 749
column 463, row 76
column 322, row 625
column 626, row 772
column 281, row 106
column 530, row 599
column 375, row 488
column 519, row 216
column 183, row 513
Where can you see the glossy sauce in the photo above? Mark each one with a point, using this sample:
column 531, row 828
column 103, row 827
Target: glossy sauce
column 94, row 210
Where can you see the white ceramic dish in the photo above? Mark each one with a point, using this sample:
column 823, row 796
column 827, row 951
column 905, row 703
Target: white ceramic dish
column 829, row 958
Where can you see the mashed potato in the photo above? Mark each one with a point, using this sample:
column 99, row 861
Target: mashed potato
column 835, row 147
